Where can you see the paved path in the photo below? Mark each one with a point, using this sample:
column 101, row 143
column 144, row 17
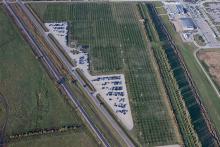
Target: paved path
column 205, row 72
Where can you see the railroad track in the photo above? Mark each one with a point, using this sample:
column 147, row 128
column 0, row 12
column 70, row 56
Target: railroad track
column 73, row 73
column 55, row 73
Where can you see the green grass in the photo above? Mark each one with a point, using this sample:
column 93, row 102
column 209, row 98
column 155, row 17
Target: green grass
column 2, row 113
column 199, row 40
column 206, row 66
column 66, row 139
column 184, row 123
column 158, row 4
column 96, row 116
column 206, row 92
column 34, row 102
column 161, row 10
column 114, row 35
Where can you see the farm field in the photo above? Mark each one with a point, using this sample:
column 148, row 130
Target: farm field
column 209, row 59
column 34, row 102
column 66, row 139
column 185, row 91
column 117, row 45
column 184, row 123
column 205, row 90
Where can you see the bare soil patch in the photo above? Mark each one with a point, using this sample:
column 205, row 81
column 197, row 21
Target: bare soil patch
column 212, row 63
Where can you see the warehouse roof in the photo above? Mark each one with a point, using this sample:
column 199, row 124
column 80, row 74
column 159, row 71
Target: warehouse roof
column 187, row 23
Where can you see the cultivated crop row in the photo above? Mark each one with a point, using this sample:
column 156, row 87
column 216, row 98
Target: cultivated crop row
column 180, row 91
column 117, row 45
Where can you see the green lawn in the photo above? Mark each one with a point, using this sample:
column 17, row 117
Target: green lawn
column 207, row 93
column 117, row 45
column 199, row 40
column 34, row 102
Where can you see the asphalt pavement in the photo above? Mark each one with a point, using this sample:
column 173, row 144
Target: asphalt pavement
column 72, row 72
column 52, row 69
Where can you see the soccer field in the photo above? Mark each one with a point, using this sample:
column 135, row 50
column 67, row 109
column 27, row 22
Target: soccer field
column 118, row 45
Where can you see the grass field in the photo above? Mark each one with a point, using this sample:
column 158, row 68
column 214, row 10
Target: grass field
column 34, row 102
column 66, row 139
column 1, row 111
column 208, row 66
column 156, row 35
column 2, row 114
column 206, row 92
column 199, row 40
column 117, row 45
column 161, row 10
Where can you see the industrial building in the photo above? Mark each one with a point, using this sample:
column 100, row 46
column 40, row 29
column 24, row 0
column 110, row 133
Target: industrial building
column 187, row 24
column 191, row 1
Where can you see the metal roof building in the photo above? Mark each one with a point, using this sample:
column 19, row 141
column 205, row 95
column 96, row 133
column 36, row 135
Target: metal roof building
column 187, row 24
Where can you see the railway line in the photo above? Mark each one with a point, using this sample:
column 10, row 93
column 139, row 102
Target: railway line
column 68, row 66
column 57, row 74
column 54, row 72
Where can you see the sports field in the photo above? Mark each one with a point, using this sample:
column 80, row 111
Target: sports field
column 113, row 32
column 34, row 102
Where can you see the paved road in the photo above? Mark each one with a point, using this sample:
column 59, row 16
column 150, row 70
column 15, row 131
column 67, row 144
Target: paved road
column 205, row 72
column 52, row 69
column 87, row 1
column 69, row 67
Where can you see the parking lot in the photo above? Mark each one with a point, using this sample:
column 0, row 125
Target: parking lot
column 213, row 9
column 204, row 29
column 196, row 13
column 112, row 88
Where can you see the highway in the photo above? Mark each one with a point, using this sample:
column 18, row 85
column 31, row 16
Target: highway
column 56, row 74
column 86, row 1
column 53, row 70
column 72, row 72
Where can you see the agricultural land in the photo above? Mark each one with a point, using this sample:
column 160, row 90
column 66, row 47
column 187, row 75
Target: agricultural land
column 205, row 90
column 118, row 45
column 109, row 73
column 211, row 63
column 34, row 104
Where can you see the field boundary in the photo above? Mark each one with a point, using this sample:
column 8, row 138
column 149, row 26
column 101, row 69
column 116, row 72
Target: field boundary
column 150, row 37
column 4, row 102
column 171, row 89
column 45, row 131
column 205, row 71
column 194, row 90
